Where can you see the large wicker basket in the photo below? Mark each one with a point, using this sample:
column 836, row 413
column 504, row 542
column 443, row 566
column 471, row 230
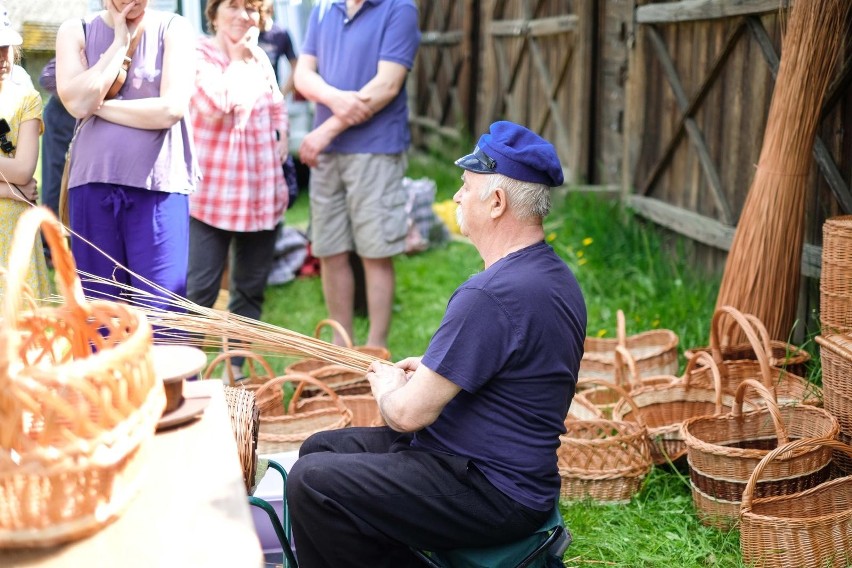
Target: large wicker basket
column 282, row 431
column 723, row 451
column 365, row 409
column 79, row 402
column 836, row 356
column 835, row 283
column 788, row 387
column 810, row 529
column 655, row 352
column 781, row 354
column 309, row 365
column 603, row 460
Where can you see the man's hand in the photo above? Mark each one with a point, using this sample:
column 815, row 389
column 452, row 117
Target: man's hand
column 385, row 378
column 312, row 145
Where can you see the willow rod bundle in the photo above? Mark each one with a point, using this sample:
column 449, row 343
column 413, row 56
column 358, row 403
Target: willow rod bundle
column 762, row 270
column 183, row 322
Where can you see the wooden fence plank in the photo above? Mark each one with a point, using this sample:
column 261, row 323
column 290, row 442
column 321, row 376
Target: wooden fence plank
column 706, row 230
column 534, row 28
column 689, row 10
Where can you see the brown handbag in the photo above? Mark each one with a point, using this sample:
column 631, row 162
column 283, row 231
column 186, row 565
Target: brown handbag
column 116, row 86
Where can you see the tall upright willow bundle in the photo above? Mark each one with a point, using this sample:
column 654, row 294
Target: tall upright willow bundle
column 762, row 271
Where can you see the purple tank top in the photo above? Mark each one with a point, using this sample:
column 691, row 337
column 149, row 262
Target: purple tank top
column 105, row 152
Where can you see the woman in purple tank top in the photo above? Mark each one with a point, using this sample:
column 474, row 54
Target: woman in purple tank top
column 132, row 160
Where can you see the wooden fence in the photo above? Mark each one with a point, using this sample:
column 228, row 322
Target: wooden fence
column 668, row 100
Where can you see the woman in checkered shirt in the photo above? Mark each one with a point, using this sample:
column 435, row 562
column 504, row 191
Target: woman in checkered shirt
column 239, row 120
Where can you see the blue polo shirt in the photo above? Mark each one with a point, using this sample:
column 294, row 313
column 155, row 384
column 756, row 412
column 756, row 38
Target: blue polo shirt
column 348, row 52
column 512, row 339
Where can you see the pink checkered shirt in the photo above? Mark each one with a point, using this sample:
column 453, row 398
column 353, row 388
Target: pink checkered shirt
column 243, row 187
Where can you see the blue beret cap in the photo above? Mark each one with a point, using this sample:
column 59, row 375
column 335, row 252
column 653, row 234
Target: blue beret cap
column 515, row 152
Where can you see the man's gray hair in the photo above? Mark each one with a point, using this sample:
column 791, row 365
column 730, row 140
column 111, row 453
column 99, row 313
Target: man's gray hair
column 528, row 199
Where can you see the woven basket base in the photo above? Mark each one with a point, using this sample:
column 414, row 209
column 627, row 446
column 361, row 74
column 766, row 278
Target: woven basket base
column 617, row 490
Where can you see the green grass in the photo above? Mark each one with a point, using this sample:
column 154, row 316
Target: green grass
column 621, row 264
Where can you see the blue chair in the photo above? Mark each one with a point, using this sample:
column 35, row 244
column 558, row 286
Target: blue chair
column 543, row 549
column 280, row 526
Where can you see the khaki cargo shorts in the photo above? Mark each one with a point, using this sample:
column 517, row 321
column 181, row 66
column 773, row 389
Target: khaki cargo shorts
column 358, row 204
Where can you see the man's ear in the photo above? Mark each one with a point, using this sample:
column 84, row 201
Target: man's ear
column 499, row 202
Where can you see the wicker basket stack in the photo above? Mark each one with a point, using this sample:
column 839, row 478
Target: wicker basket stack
column 835, row 284
column 79, row 402
column 724, row 450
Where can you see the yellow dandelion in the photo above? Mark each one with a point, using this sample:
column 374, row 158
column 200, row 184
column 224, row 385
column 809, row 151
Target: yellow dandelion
column 655, row 323
column 579, row 254
column 587, row 241
column 582, row 261
column 601, row 333
column 551, row 237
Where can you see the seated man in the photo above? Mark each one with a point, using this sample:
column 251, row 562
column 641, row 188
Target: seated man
column 469, row 459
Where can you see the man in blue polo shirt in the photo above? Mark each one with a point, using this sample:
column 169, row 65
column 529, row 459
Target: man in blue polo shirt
column 469, row 457
column 354, row 63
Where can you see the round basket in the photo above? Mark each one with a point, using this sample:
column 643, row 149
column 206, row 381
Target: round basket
column 258, row 370
column 341, row 380
column 789, row 388
column 810, row 529
column 780, row 353
column 605, row 398
column 311, row 364
column 835, row 283
column 582, row 408
column 724, row 450
column 836, row 357
column 664, row 408
column 281, row 431
column 655, row 352
column 365, row 410
column 245, row 416
column 79, row 397
column 603, row 460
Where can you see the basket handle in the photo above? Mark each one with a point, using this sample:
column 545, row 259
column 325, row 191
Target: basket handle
column 586, row 404
column 835, row 346
column 620, row 328
column 787, row 451
column 263, row 394
column 70, row 288
column 623, row 393
column 702, row 357
column 622, row 357
column 751, row 336
column 769, row 398
column 250, row 356
column 336, row 326
column 317, row 374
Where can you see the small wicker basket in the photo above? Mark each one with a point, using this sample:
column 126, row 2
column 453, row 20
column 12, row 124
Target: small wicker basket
column 79, row 402
column 309, row 365
column 789, row 388
column 781, row 354
column 258, row 370
column 281, row 431
column 603, row 460
column 664, row 408
column 724, row 450
column 810, row 529
column 365, row 410
column 655, row 352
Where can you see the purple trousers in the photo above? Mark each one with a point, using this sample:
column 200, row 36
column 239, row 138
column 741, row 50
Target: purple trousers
column 145, row 231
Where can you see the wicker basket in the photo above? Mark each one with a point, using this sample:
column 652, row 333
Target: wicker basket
column 605, row 398
column 603, row 460
column 309, row 365
column 780, row 353
column 724, row 450
column 789, row 388
column 245, row 418
column 665, row 408
column 281, row 431
column 341, row 380
column 836, row 356
column 258, row 370
column 365, row 410
column 655, row 352
column 79, row 399
column 583, row 409
column 835, row 283
column 810, row 529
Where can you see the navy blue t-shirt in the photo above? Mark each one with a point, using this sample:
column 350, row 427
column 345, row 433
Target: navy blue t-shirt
column 512, row 339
